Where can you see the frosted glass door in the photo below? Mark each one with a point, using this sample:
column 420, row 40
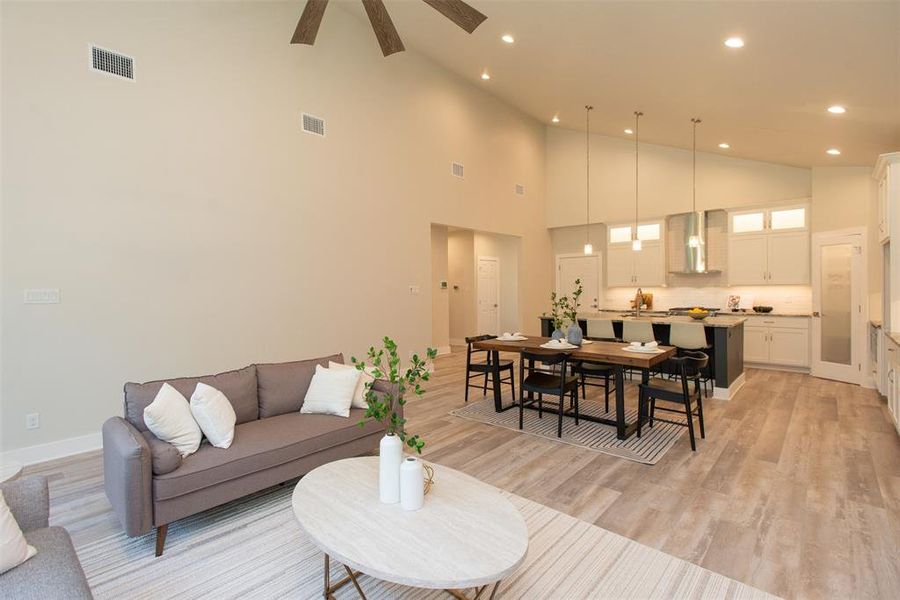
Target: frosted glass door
column 837, row 341
column 838, row 271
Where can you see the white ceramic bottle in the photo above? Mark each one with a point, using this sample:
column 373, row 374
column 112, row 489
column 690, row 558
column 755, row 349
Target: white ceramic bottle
column 412, row 484
column 390, row 456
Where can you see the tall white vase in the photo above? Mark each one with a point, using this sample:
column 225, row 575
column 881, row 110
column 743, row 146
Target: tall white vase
column 389, row 458
column 412, row 484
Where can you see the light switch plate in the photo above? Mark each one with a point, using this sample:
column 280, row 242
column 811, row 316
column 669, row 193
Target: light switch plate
column 42, row 296
column 32, row 421
column 413, row 289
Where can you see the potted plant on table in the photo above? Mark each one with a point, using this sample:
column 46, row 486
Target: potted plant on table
column 385, row 406
column 574, row 333
column 557, row 316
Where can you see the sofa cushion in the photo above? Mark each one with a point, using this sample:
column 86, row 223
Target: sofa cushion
column 282, row 386
column 54, row 572
column 238, row 386
column 261, row 445
column 165, row 457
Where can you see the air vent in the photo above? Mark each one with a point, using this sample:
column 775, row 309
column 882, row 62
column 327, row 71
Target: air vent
column 457, row 170
column 112, row 63
column 520, row 189
column 313, row 125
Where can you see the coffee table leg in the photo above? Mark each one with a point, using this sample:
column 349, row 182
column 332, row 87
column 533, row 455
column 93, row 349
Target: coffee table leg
column 351, row 577
column 460, row 595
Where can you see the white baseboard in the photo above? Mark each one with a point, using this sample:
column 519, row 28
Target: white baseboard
column 457, row 342
column 441, row 350
column 729, row 392
column 770, row 367
column 53, row 450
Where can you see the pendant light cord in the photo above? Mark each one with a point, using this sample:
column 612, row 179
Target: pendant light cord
column 587, row 137
column 696, row 122
column 637, row 116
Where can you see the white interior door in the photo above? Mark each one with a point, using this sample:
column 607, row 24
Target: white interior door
column 488, row 295
column 587, row 268
column 838, row 274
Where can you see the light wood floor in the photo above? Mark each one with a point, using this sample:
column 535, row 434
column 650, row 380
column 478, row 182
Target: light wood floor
column 796, row 489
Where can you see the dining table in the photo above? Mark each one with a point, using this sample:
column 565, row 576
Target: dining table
column 610, row 353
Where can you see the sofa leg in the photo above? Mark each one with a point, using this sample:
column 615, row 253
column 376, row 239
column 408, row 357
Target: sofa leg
column 161, row 532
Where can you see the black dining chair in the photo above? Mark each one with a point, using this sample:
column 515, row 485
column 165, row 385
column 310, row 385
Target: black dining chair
column 551, row 378
column 475, row 368
column 684, row 390
column 596, row 375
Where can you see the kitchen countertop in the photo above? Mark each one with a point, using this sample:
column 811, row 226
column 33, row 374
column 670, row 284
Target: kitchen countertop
column 664, row 319
column 876, row 323
column 894, row 336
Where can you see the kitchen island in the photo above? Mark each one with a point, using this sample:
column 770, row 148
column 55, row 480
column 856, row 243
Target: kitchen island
column 724, row 334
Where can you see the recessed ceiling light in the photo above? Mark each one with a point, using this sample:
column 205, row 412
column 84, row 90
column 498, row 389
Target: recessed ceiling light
column 485, row 75
column 837, row 109
column 734, row 42
column 629, row 131
column 509, row 39
column 724, row 145
column 555, row 119
column 833, row 151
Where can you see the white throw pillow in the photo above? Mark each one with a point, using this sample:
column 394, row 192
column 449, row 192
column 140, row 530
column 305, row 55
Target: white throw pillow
column 14, row 550
column 359, row 395
column 169, row 418
column 214, row 414
column 330, row 392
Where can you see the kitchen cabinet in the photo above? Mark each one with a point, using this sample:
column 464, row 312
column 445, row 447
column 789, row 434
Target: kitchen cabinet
column 768, row 258
column 777, row 341
column 893, row 382
column 628, row 268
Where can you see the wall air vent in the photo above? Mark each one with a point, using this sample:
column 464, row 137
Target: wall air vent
column 313, row 125
column 457, row 170
column 112, row 63
column 520, row 189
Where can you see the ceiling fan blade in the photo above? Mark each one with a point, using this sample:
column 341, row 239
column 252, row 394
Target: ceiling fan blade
column 384, row 28
column 308, row 25
column 459, row 12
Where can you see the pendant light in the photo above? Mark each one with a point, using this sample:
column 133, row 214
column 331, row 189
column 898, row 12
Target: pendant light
column 588, row 247
column 635, row 241
column 694, row 240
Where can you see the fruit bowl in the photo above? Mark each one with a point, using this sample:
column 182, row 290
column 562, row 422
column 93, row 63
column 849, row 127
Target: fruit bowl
column 698, row 314
column 762, row 309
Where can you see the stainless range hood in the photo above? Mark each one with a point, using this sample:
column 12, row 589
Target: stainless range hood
column 695, row 257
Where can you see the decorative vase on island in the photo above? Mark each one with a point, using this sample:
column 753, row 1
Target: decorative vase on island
column 390, row 455
column 412, row 484
column 558, row 334
column 574, row 335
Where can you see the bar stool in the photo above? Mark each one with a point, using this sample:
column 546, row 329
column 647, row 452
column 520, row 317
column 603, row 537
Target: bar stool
column 692, row 336
column 547, row 379
column 637, row 331
column 477, row 369
column 688, row 367
column 587, row 371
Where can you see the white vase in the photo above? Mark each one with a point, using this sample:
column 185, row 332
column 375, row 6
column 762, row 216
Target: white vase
column 390, row 456
column 412, row 484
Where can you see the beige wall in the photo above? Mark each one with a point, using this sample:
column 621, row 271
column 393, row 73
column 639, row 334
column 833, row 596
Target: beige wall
column 505, row 248
column 461, row 268
column 440, row 298
column 190, row 224
column 665, row 180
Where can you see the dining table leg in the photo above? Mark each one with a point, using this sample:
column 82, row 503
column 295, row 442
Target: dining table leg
column 621, row 426
column 495, row 371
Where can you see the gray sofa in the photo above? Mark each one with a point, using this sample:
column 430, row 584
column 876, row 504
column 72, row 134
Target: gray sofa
column 150, row 486
column 54, row 572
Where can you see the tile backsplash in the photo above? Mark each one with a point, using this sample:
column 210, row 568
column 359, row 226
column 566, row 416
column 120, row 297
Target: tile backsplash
column 784, row 298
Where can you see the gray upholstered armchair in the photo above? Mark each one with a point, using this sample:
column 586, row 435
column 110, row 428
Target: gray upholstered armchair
column 54, row 572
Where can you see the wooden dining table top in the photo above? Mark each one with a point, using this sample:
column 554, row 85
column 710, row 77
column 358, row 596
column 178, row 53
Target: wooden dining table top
column 612, row 353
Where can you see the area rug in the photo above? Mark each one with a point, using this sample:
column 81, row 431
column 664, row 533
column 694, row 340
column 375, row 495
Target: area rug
column 648, row 449
column 253, row 548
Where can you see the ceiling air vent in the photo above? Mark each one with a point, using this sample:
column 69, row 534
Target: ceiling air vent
column 457, row 170
column 313, row 125
column 520, row 189
column 112, row 63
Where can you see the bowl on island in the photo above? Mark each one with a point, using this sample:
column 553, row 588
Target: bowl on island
column 698, row 313
column 762, row 309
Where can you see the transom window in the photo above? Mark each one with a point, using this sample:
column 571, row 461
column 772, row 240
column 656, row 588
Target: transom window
column 789, row 218
column 646, row 232
column 619, row 235
column 748, row 222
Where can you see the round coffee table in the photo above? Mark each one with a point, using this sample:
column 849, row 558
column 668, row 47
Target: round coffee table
column 468, row 535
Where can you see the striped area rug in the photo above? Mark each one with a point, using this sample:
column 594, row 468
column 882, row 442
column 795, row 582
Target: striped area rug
column 648, row 449
column 253, row 549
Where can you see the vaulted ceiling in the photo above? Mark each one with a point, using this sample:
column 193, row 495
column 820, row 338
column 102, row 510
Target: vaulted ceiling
column 767, row 100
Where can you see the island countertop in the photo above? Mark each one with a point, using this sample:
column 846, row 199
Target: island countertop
column 725, row 321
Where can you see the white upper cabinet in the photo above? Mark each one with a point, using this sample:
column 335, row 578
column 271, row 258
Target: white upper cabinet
column 769, row 246
column 626, row 267
column 887, row 175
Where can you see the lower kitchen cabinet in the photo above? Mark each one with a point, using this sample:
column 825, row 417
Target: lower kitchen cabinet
column 781, row 341
column 893, row 381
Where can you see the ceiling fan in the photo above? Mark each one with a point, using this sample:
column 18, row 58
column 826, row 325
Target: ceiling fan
column 456, row 10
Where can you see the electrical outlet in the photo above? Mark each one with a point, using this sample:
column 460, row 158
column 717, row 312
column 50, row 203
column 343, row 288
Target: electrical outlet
column 414, row 289
column 42, row 296
column 32, row 421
